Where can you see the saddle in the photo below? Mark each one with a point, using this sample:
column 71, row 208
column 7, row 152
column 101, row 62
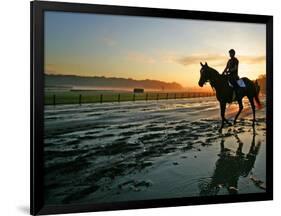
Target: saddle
column 240, row 83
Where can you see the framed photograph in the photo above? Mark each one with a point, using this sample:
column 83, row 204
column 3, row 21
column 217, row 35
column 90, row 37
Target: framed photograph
column 139, row 107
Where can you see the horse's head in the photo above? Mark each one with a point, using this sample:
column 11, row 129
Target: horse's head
column 204, row 74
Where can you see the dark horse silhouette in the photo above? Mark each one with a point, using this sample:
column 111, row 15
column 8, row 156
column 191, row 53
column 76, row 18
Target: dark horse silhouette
column 224, row 92
column 229, row 167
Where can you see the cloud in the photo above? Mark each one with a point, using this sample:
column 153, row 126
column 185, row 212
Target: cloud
column 253, row 59
column 169, row 57
column 108, row 41
column 140, row 57
column 217, row 60
column 196, row 59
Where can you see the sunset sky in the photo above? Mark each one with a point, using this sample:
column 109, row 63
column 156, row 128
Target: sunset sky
column 149, row 48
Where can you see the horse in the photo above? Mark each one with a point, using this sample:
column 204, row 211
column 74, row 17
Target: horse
column 224, row 92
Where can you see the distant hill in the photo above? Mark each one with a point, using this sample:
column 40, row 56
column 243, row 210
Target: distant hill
column 107, row 82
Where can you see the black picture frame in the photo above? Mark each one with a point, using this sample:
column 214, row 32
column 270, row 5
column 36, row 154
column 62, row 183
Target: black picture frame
column 37, row 105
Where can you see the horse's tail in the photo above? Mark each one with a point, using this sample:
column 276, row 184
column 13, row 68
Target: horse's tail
column 256, row 97
column 257, row 101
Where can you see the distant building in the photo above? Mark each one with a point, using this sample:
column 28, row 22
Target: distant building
column 138, row 90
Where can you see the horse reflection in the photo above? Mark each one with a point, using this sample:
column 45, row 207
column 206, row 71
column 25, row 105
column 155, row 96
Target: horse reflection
column 229, row 167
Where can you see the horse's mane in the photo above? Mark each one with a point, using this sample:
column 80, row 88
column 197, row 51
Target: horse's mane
column 214, row 71
column 215, row 75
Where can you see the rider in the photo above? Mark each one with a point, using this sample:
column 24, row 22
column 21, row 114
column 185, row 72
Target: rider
column 231, row 70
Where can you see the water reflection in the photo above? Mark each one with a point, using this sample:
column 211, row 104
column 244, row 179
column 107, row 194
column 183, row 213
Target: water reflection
column 229, row 167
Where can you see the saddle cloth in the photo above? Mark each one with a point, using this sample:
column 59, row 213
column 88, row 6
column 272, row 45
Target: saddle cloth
column 240, row 83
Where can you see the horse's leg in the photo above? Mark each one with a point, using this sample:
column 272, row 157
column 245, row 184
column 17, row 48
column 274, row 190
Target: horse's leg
column 222, row 146
column 222, row 106
column 240, row 146
column 227, row 122
column 239, row 111
column 254, row 110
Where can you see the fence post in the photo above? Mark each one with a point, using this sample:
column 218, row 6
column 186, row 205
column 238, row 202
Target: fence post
column 146, row 97
column 182, row 95
column 134, row 97
column 54, row 100
column 118, row 98
column 101, row 98
column 175, row 95
column 80, row 99
column 157, row 96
